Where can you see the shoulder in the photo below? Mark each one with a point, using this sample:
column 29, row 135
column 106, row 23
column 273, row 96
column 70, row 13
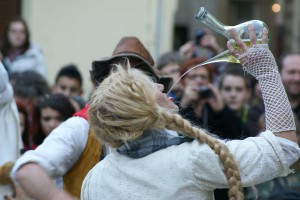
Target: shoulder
column 34, row 49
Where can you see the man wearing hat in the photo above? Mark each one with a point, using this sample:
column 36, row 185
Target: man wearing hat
column 71, row 150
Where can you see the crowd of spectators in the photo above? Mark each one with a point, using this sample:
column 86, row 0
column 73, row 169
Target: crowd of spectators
column 218, row 97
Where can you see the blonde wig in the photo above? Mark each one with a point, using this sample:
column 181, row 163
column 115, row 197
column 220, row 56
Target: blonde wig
column 124, row 106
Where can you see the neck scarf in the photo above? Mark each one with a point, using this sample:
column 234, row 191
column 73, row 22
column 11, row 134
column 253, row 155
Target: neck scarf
column 150, row 142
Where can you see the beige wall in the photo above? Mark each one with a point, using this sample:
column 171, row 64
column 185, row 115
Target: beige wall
column 79, row 31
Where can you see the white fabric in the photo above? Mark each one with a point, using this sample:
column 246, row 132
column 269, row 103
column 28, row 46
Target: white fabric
column 10, row 134
column 60, row 150
column 261, row 64
column 32, row 59
column 187, row 171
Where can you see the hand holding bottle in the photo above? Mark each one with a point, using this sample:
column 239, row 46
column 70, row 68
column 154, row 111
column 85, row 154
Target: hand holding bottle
column 237, row 47
column 241, row 31
column 258, row 61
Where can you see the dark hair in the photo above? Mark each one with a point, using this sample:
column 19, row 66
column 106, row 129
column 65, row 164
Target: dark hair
column 25, row 135
column 6, row 44
column 29, row 84
column 168, row 58
column 283, row 56
column 57, row 102
column 69, row 71
column 234, row 70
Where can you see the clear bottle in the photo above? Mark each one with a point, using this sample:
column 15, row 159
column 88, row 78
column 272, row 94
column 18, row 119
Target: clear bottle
column 242, row 29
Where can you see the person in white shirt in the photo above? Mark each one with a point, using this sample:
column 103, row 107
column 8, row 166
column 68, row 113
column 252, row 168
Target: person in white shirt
column 10, row 133
column 63, row 149
column 130, row 113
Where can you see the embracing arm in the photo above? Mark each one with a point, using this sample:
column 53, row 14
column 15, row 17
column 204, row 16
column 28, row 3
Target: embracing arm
column 60, row 150
column 37, row 184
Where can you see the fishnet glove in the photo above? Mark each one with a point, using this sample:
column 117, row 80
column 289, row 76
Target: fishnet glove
column 259, row 62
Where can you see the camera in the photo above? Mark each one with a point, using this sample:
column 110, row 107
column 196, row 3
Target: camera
column 198, row 36
column 205, row 92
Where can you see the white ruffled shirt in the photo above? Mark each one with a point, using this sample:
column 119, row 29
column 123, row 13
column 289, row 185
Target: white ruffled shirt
column 63, row 147
column 60, row 150
column 188, row 171
column 10, row 134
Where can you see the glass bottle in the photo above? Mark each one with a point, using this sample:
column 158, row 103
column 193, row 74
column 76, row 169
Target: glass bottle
column 242, row 29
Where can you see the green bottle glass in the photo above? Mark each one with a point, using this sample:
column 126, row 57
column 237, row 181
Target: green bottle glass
column 242, row 29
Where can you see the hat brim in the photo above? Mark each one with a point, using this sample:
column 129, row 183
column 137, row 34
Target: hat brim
column 106, row 63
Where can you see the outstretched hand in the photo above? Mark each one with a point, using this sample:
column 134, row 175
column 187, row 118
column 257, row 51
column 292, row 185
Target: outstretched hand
column 237, row 46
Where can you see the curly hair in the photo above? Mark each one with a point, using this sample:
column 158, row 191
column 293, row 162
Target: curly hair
column 124, row 106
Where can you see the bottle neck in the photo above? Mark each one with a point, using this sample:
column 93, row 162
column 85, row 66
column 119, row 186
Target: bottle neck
column 214, row 24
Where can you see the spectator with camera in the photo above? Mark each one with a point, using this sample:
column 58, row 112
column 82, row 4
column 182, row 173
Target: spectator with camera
column 203, row 104
column 200, row 98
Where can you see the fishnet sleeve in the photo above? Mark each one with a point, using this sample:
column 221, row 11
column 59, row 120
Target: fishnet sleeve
column 260, row 63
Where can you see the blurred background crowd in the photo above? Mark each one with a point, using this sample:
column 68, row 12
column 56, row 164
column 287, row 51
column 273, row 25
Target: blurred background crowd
column 47, row 48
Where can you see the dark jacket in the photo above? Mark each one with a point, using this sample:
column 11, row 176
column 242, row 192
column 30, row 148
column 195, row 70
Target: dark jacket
column 226, row 123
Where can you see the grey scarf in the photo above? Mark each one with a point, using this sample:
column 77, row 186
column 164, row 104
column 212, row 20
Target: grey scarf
column 150, row 142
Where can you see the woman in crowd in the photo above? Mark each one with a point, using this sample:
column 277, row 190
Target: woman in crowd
column 17, row 52
column 53, row 110
column 131, row 114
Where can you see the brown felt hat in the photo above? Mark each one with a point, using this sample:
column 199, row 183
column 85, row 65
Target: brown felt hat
column 129, row 47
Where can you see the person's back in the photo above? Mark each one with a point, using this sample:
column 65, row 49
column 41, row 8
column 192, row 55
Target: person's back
column 187, row 171
column 164, row 174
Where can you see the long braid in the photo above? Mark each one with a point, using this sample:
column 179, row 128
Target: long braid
column 176, row 122
column 125, row 105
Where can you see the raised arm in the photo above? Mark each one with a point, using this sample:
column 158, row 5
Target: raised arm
column 258, row 61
